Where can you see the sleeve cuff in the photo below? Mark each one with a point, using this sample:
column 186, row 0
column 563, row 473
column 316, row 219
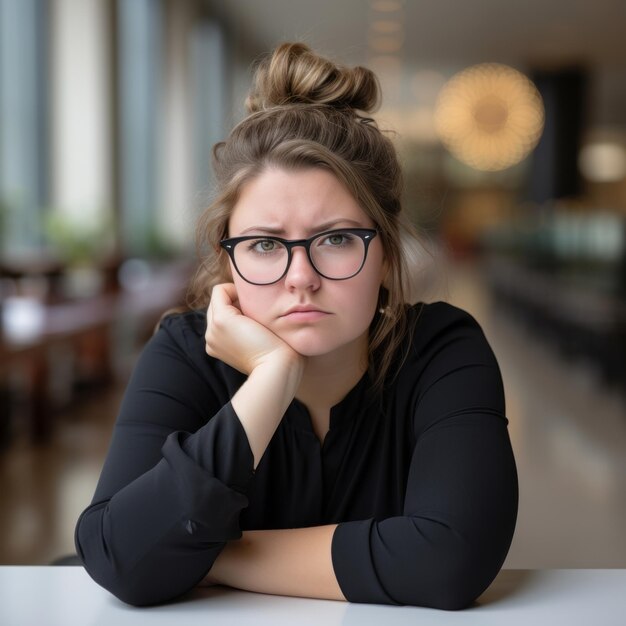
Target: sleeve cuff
column 221, row 448
column 210, row 471
column 352, row 561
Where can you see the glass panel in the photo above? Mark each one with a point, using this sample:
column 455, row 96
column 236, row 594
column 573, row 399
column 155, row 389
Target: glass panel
column 140, row 36
column 208, row 62
column 23, row 124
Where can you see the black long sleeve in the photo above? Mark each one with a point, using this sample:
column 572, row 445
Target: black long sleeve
column 420, row 479
column 460, row 501
column 167, row 500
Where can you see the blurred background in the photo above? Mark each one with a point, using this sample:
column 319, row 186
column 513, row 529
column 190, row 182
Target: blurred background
column 510, row 119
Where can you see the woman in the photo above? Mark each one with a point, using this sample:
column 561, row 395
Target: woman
column 301, row 429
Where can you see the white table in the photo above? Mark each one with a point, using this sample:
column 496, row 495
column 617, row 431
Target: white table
column 66, row 596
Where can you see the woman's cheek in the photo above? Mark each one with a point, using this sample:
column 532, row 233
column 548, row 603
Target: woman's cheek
column 253, row 304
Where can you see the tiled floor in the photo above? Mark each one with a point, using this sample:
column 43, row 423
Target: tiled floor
column 569, row 438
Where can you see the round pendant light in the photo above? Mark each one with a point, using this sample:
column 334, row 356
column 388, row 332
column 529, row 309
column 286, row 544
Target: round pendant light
column 489, row 116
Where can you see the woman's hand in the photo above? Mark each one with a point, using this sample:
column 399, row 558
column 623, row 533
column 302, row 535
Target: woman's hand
column 240, row 341
column 273, row 367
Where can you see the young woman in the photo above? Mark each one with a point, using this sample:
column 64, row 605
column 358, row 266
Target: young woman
column 302, row 429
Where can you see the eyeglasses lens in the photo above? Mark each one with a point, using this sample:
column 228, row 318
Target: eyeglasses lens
column 336, row 255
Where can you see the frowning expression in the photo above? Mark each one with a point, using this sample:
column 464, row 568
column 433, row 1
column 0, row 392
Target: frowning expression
column 313, row 314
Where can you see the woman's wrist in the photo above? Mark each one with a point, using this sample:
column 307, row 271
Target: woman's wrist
column 288, row 362
column 262, row 400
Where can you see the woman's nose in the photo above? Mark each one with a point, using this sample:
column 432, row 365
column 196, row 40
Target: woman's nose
column 301, row 274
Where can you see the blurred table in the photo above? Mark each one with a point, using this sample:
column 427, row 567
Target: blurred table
column 91, row 320
column 66, row 596
column 578, row 320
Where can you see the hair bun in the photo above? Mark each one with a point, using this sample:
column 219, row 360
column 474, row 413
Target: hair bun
column 294, row 74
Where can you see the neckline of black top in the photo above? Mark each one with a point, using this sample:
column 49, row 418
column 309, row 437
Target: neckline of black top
column 340, row 413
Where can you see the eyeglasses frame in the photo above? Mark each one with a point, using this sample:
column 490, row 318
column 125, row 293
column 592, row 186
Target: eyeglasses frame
column 366, row 234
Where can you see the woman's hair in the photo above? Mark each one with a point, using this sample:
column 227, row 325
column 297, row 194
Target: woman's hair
column 306, row 111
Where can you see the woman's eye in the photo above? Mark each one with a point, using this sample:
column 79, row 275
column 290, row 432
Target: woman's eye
column 338, row 239
column 263, row 245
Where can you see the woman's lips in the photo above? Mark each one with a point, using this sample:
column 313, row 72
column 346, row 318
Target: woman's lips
column 304, row 316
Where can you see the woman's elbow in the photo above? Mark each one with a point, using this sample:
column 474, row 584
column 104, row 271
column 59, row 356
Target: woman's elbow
column 135, row 588
column 132, row 587
column 454, row 595
column 454, row 584
column 152, row 581
column 140, row 598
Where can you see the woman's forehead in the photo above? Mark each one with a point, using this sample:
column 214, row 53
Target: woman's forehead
column 281, row 201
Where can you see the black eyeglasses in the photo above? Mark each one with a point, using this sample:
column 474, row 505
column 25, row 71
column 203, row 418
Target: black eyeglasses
column 335, row 254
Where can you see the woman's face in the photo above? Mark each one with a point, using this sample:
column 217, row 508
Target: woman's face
column 297, row 205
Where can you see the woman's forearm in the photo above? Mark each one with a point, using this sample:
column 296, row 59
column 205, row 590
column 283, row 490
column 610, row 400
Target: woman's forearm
column 262, row 400
column 288, row 562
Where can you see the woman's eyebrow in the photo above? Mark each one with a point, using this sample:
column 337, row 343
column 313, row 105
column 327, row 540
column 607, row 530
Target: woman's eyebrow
column 316, row 229
column 263, row 229
column 327, row 225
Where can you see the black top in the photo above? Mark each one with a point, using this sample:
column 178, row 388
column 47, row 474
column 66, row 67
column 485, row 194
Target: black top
column 420, row 478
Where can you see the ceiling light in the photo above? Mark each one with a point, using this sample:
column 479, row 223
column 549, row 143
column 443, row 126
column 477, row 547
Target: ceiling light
column 490, row 116
column 386, row 44
column 386, row 27
column 384, row 63
column 603, row 162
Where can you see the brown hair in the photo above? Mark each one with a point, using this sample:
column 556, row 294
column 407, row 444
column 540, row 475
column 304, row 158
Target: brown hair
column 306, row 111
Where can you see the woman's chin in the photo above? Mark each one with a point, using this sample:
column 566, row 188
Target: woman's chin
column 310, row 342
column 306, row 346
column 308, row 350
